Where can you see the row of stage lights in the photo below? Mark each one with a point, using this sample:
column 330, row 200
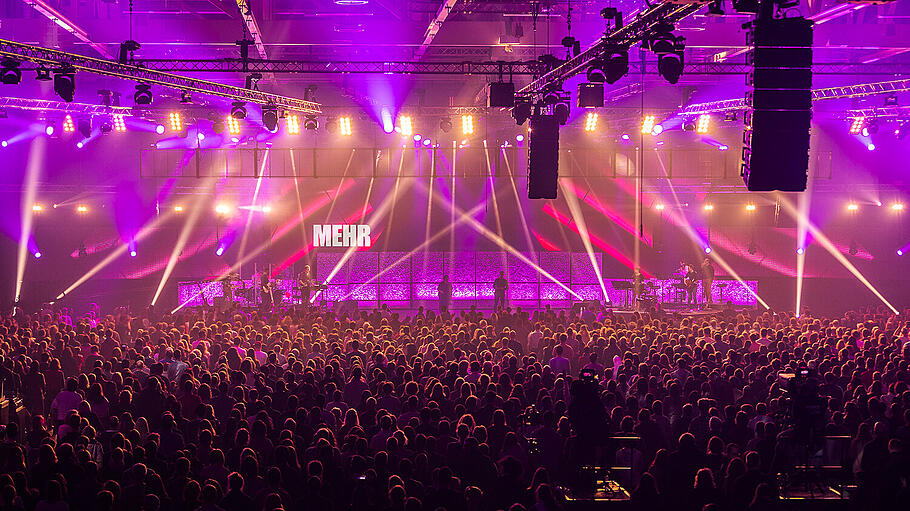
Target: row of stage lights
column 869, row 126
column 343, row 125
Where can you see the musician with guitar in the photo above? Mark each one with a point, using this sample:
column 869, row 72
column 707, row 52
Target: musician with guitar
column 707, row 280
column 690, row 284
column 305, row 281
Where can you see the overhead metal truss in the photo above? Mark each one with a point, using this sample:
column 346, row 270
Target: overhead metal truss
column 623, row 37
column 515, row 68
column 894, row 112
column 62, row 106
column 68, row 25
column 847, row 91
column 56, row 58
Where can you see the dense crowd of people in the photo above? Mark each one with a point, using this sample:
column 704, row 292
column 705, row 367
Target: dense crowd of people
column 460, row 412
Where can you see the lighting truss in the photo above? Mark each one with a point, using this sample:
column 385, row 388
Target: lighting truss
column 58, row 58
column 252, row 27
column 622, row 37
column 66, row 24
column 523, row 68
column 847, row 91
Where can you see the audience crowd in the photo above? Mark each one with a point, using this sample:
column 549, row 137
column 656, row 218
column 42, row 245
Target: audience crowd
column 508, row 411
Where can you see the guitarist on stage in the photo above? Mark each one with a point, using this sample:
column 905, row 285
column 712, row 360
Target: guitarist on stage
column 690, row 282
column 305, row 281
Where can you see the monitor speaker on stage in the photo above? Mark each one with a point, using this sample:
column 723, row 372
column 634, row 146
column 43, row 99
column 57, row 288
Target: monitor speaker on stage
column 779, row 105
column 543, row 157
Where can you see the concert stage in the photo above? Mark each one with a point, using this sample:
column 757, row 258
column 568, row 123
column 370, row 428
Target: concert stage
column 406, row 281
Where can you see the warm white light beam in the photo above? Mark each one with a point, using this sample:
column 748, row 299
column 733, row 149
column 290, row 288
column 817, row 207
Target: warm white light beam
column 801, row 230
column 32, row 174
column 823, row 240
column 683, row 222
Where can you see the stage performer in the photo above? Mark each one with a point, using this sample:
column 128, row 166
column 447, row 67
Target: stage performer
column 305, row 281
column 707, row 280
column 444, row 290
column 691, row 284
column 500, row 285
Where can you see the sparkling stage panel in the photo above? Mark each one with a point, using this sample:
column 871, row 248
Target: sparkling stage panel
column 405, row 281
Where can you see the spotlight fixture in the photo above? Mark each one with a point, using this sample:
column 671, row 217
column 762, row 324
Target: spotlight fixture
column 292, row 123
column 344, row 126
column 647, row 124
column 561, row 113
column 4, row 143
column 106, row 127
column 233, row 125
column 704, row 122
column 854, row 248
column 43, row 74
column 716, row 8
column 81, row 208
column 85, row 127
column 467, row 124
column 445, row 125
column 270, row 118
column 119, row 124
column 159, row 129
column 901, row 131
column 143, row 94
column 50, row 128
column 522, row 111
column 709, row 207
column 68, row 126
column 65, row 84
column 37, row 208
column 176, row 121
column 186, row 98
column 310, row 123
column 266, row 209
column 595, row 73
column 900, row 252
column 591, row 122
column 222, row 209
column 669, row 50
column 688, row 125
column 178, row 209
column 707, row 250
column 616, row 64
column 800, row 251
column 852, row 206
column 37, row 255
column 657, row 130
column 856, row 126
column 80, row 144
column 753, row 248
column 730, row 117
column 871, row 128
column 897, row 206
column 659, row 207
column 870, row 146
column 238, row 110
column 891, row 99
column 133, row 252
column 219, row 251
column 9, row 72
column 407, row 128
column 750, row 207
